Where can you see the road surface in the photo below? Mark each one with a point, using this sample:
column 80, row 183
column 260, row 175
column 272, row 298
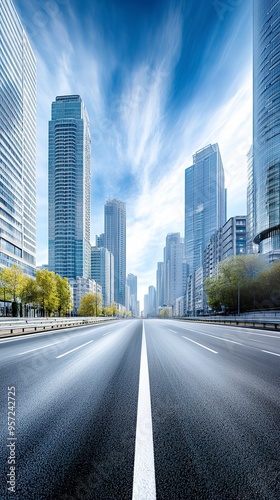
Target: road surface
column 156, row 409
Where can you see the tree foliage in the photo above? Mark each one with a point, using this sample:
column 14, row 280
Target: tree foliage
column 91, row 305
column 165, row 313
column 63, row 294
column 49, row 291
column 241, row 279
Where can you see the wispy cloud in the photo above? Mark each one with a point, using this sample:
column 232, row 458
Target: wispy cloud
column 185, row 83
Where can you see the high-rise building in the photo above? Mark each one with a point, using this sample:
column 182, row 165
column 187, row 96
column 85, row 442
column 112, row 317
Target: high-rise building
column 115, row 241
column 160, row 285
column 100, row 241
column 131, row 281
column 17, row 144
column 205, row 203
column 266, row 126
column 69, row 188
column 173, row 268
column 251, row 246
column 102, row 271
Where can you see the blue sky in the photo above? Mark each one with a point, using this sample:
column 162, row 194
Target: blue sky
column 160, row 80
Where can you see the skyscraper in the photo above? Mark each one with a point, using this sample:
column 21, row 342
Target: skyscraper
column 69, row 188
column 17, row 144
column 102, row 271
column 131, row 281
column 266, row 126
column 205, row 203
column 173, row 268
column 115, row 241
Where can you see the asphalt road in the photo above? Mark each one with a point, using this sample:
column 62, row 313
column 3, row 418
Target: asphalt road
column 171, row 410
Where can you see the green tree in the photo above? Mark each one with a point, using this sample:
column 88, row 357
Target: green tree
column 64, row 295
column 47, row 292
column 268, row 287
column 91, row 305
column 12, row 280
column 235, row 283
column 110, row 310
column 29, row 292
column 165, row 313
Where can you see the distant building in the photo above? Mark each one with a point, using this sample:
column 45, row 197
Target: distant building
column 266, row 130
column 115, row 241
column 173, row 268
column 205, row 203
column 152, row 301
column 81, row 287
column 102, row 271
column 17, row 144
column 229, row 241
column 100, row 241
column 160, row 285
column 69, row 188
column 131, row 281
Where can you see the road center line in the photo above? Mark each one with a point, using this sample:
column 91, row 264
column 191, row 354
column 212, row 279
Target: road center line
column 204, row 347
column 269, row 352
column 72, row 350
column 144, row 482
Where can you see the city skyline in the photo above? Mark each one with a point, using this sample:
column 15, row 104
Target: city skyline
column 155, row 95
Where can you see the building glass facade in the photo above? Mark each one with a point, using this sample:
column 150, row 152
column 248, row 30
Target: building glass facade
column 69, row 188
column 115, row 241
column 17, row 144
column 102, row 271
column 266, row 126
column 205, row 203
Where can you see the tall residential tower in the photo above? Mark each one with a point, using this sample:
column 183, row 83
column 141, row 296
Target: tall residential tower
column 115, row 241
column 17, row 144
column 205, row 203
column 266, row 126
column 69, row 188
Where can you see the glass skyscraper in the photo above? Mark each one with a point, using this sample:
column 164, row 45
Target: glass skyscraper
column 17, row 144
column 115, row 241
column 205, row 203
column 266, row 126
column 69, row 188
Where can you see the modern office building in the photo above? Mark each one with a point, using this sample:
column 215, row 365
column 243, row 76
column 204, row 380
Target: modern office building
column 81, row 287
column 115, row 241
column 131, row 281
column 17, row 144
column 173, row 268
column 266, row 126
column 69, row 188
column 252, row 248
column 205, row 203
column 228, row 241
column 160, row 285
column 100, row 241
column 102, row 271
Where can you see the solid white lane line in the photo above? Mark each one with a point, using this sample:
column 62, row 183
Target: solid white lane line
column 72, row 350
column 214, row 337
column 144, row 482
column 269, row 352
column 204, row 347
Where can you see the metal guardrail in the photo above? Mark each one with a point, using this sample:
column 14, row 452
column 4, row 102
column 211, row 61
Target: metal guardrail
column 238, row 321
column 18, row 326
